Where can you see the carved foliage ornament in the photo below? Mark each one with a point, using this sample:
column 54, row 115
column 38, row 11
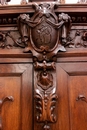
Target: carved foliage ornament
column 46, row 33
column 77, row 39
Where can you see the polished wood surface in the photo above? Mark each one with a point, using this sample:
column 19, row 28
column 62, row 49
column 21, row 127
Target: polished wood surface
column 71, row 86
column 43, row 86
column 14, row 81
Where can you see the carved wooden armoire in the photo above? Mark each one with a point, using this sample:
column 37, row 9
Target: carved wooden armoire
column 43, row 66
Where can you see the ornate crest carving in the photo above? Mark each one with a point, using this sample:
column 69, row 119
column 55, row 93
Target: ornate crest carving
column 46, row 33
column 45, row 30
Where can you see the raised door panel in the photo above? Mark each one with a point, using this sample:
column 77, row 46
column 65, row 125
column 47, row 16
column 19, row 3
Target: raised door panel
column 15, row 96
column 72, row 93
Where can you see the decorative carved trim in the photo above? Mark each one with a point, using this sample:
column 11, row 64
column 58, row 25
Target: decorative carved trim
column 8, row 21
column 2, row 101
column 81, row 97
column 45, row 98
column 77, row 38
column 4, row 35
column 45, row 93
column 47, row 34
column 79, row 19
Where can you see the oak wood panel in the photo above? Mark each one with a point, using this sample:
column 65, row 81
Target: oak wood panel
column 16, row 81
column 78, row 109
column 72, row 81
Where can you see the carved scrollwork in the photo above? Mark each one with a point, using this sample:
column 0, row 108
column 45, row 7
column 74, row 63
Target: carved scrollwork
column 16, row 42
column 2, row 101
column 78, row 40
column 81, row 97
column 10, row 98
column 47, row 34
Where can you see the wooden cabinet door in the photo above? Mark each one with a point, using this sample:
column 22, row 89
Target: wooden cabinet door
column 15, row 97
column 72, row 93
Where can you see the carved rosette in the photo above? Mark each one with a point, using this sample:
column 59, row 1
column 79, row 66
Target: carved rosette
column 47, row 34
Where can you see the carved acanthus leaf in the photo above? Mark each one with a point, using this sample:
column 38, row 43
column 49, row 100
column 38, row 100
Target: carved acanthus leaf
column 45, row 105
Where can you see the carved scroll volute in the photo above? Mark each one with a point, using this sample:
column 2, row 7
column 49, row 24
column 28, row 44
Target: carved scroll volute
column 47, row 34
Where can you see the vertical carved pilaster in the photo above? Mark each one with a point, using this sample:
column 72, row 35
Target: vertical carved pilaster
column 47, row 34
column 45, row 94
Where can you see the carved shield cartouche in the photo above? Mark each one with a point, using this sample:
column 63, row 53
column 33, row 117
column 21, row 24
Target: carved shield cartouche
column 44, row 34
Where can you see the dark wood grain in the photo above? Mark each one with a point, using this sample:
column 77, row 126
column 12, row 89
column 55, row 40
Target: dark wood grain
column 46, row 67
column 14, row 81
column 72, row 83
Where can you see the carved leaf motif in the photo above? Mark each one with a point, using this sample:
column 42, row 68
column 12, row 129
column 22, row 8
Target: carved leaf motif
column 45, row 103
